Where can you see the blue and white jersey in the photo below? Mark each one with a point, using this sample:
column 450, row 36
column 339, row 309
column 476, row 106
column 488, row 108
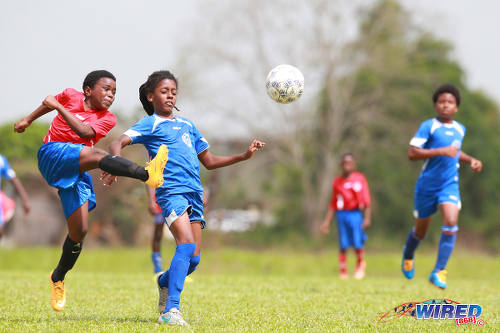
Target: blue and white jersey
column 438, row 171
column 184, row 142
column 5, row 170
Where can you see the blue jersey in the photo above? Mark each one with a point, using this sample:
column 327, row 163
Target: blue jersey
column 184, row 142
column 5, row 170
column 439, row 171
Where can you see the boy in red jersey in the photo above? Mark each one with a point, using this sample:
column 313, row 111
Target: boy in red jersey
column 351, row 204
column 68, row 153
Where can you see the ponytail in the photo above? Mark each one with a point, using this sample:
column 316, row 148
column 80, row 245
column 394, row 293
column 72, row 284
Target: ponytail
column 143, row 97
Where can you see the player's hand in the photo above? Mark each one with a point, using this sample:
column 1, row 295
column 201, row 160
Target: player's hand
column 366, row 223
column 153, row 208
column 205, row 199
column 51, row 102
column 21, row 125
column 108, row 179
column 26, row 207
column 325, row 228
column 450, row 151
column 254, row 146
column 476, row 165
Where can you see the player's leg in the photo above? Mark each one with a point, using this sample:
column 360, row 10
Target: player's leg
column 183, row 235
column 450, row 213
column 156, row 243
column 77, row 229
column 152, row 174
column 196, row 227
column 425, row 204
column 343, row 233
column 359, row 237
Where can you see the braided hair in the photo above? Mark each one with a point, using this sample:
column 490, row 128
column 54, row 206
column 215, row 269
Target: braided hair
column 150, row 85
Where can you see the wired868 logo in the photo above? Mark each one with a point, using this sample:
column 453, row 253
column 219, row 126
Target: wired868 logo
column 437, row 309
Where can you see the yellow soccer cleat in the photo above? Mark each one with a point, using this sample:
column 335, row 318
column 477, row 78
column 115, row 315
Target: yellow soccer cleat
column 58, row 294
column 155, row 167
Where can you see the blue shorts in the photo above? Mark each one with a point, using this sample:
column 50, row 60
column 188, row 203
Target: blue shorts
column 349, row 225
column 426, row 203
column 59, row 165
column 174, row 205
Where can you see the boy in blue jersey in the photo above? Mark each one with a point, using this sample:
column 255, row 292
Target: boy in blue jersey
column 181, row 195
column 7, row 205
column 438, row 142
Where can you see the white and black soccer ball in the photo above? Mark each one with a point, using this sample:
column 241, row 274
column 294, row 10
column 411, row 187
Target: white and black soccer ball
column 285, row 84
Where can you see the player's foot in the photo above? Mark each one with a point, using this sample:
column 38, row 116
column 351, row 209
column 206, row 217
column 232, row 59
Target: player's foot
column 407, row 266
column 344, row 276
column 57, row 295
column 360, row 271
column 172, row 317
column 155, row 167
column 438, row 279
column 162, row 294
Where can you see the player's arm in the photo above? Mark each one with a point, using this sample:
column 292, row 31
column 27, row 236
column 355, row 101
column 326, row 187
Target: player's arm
column 152, row 207
column 24, row 123
column 325, row 226
column 416, row 153
column 83, row 130
column 367, row 216
column 22, row 193
column 213, row 162
column 474, row 163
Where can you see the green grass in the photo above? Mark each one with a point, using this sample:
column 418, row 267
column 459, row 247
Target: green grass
column 238, row 290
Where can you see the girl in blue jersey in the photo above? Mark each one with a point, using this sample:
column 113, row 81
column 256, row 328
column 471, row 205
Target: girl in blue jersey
column 180, row 196
column 438, row 142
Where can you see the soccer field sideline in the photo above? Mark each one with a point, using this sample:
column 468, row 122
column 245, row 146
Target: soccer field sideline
column 237, row 290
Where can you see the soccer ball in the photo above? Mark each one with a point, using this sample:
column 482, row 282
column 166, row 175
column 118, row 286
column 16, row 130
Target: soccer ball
column 285, row 84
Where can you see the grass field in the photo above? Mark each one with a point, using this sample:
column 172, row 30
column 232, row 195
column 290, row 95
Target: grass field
column 238, row 290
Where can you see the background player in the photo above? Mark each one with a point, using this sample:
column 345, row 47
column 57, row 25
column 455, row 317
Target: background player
column 438, row 141
column 180, row 197
column 352, row 207
column 7, row 205
column 68, row 153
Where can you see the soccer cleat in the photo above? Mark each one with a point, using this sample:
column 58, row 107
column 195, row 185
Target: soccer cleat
column 438, row 279
column 172, row 317
column 155, row 167
column 344, row 276
column 57, row 295
column 360, row 271
column 407, row 266
column 162, row 295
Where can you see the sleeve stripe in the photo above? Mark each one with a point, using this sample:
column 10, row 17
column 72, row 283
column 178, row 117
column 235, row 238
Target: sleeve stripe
column 131, row 133
column 418, row 142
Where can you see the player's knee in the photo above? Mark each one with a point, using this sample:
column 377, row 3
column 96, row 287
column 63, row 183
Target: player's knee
column 449, row 229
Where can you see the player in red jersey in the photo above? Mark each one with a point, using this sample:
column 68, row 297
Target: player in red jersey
column 68, row 153
column 351, row 204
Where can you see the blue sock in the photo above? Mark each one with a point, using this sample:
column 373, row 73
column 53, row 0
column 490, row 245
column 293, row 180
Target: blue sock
column 195, row 260
column 446, row 245
column 156, row 258
column 177, row 273
column 411, row 244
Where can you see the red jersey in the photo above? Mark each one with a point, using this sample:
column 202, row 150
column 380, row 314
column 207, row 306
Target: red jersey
column 101, row 121
column 350, row 193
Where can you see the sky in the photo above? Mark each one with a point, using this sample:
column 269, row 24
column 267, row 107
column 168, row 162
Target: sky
column 51, row 45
